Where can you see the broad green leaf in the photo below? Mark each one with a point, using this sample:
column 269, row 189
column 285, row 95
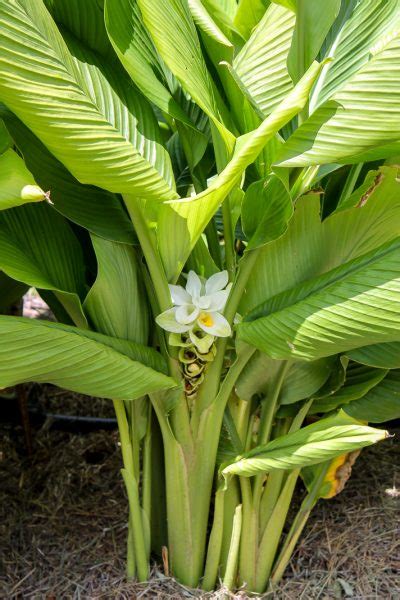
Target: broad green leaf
column 359, row 380
column 42, row 84
column 97, row 210
column 310, row 248
column 290, row 4
column 356, row 304
column 206, row 24
column 174, row 35
column 311, row 445
column 222, row 15
column 349, row 117
column 123, row 104
column 248, row 15
column 10, row 291
column 313, row 21
column 137, row 54
column 381, row 403
column 85, row 20
column 38, row 248
column 266, row 210
column 301, row 380
column 74, row 359
column 383, row 356
column 335, row 381
column 116, row 303
column 190, row 215
column 137, row 352
column 261, row 64
column 17, row 185
column 352, row 47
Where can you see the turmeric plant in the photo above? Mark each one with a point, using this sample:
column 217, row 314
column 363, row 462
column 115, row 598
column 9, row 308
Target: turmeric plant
column 207, row 196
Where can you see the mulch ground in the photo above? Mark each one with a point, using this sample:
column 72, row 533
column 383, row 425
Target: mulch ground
column 63, row 520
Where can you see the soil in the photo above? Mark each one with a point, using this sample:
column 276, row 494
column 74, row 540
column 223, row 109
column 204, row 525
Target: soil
column 63, row 518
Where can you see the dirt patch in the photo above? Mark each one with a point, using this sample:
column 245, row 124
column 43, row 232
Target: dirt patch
column 63, row 522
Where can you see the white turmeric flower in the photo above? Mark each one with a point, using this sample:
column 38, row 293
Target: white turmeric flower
column 198, row 306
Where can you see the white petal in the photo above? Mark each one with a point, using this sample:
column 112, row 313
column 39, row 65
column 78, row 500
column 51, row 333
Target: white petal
column 168, row 322
column 204, row 302
column 186, row 314
column 193, row 286
column 179, row 295
column 214, row 323
column 218, row 300
column 217, row 282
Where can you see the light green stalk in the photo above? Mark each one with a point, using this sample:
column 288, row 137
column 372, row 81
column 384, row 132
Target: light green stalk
column 231, row 565
column 128, row 474
column 215, row 542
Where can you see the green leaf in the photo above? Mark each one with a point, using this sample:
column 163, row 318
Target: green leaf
column 71, row 358
column 95, row 209
column 137, row 54
column 356, row 304
column 207, row 25
column 311, row 445
column 381, row 403
column 310, row 248
column 248, row 15
column 17, row 185
column 261, row 65
column 85, row 20
column 73, row 114
column 38, row 248
column 174, row 35
column 124, row 106
column 383, row 356
column 349, row 117
column 313, row 21
column 301, row 380
column 359, row 380
column 351, row 48
column 118, row 280
column 189, row 216
column 266, row 210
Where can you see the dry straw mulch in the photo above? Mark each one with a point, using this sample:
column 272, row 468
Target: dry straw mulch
column 63, row 525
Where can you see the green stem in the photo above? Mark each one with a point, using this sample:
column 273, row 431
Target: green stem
column 275, row 502
column 128, row 474
column 231, row 565
column 155, row 266
column 267, row 416
column 297, row 527
column 130, row 553
column 147, row 470
column 215, row 542
column 269, row 498
column 230, row 257
column 231, row 500
column 273, row 532
column 304, row 181
column 350, row 182
column 249, row 541
column 213, row 243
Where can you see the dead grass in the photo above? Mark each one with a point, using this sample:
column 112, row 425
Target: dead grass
column 63, row 526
